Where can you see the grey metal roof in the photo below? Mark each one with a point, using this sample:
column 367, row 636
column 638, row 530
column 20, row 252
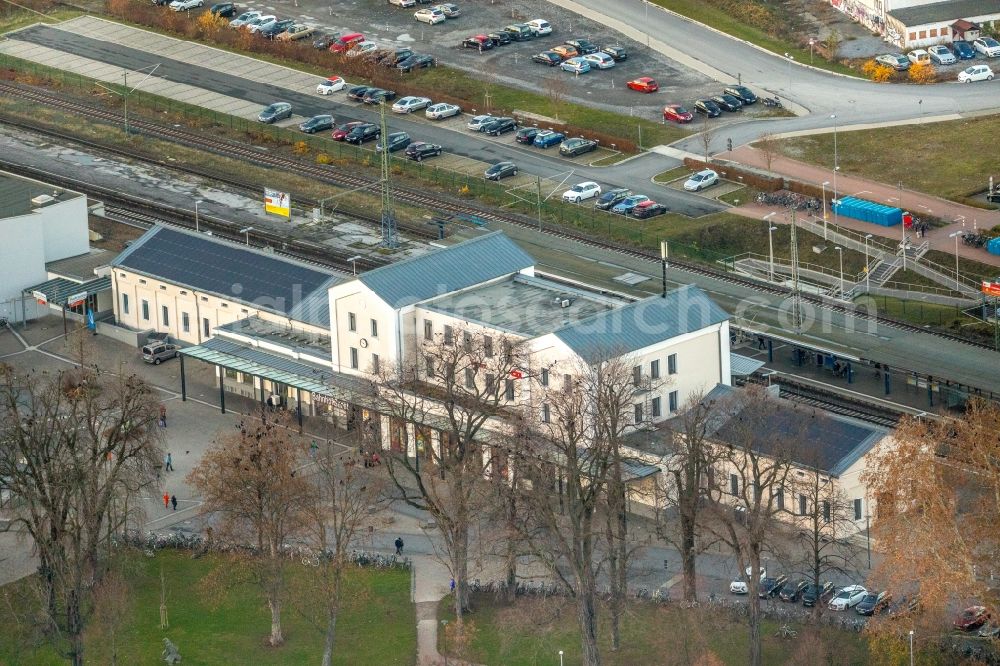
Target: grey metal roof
column 281, row 335
column 232, row 271
column 58, row 290
column 949, row 10
column 81, row 267
column 642, row 323
column 449, row 269
column 16, row 193
column 744, row 365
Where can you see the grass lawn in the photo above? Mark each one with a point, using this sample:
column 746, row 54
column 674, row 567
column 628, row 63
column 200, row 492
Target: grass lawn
column 917, row 312
column 377, row 626
column 863, row 153
column 17, row 19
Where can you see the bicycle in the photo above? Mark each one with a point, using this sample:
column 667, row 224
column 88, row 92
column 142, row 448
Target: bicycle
column 784, row 631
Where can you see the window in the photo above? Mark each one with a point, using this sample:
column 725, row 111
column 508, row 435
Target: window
column 374, row 328
column 204, row 299
column 637, row 376
column 491, row 380
column 230, row 374
column 487, row 346
column 352, row 322
column 546, row 415
column 185, row 322
column 857, row 509
column 913, row 36
column 508, row 390
column 933, row 32
column 672, row 396
column 672, row 364
column 141, row 281
column 654, row 369
column 470, row 379
column 779, row 499
column 449, row 335
column 638, row 412
column 163, row 287
column 734, row 484
column 923, row 34
column 803, row 505
column 429, row 365
column 206, row 327
column 467, row 341
column 354, row 358
column 826, row 511
column 375, row 363
column 145, row 310
column 428, row 330
column 166, row 315
column 124, row 303
column 654, row 409
column 567, row 383
column 545, row 377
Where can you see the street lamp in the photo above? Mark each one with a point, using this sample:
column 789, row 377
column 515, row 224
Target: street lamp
column 868, row 266
column 354, row 264
column 247, row 232
column 770, row 247
column 560, row 658
column 790, row 58
column 197, row 226
column 811, row 42
column 840, row 253
column 836, row 166
column 825, row 183
column 955, row 235
column 911, row 647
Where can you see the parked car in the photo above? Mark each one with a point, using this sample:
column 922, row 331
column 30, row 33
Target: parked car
column 449, row 10
column 331, row 85
column 223, row 9
column 898, row 62
column 500, row 38
column 600, row 60
column 971, row 618
column 296, row 32
column 548, row 138
column 607, row 200
column 342, row 131
column 644, row 84
column 409, row 104
column 813, row 595
column 976, row 73
column 317, row 124
column 989, row 630
column 362, row 49
column 565, row 51
column 677, row 113
column 701, row 180
column 481, row 42
column 770, row 586
column 648, row 209
column 442, row 110
column 378, row 96
column 625, row 206
column 344, row 43
column 363, row 133
column 519, row 32
column 275, row 112
column 396, row 140
column 617, row 52
column 727, row 102
column 272, row 30
column 873, row 603
column 526, row 135
column 540, row 26
column 324, row 41
column 919, row 56
column 477, row 122
column 963, row 50
column 395, row 56
column 243, row 18
column 415, row 61
column 405, row 4
column 583, row 46
column 550, row 58
column 259, row 23
column 741, row 93
column 159, row 352
column 708, row 108
column 904, row 607
column 431, row 16
column 575, row 65
column 184, row 5
column 419, row 150
column 739, row 586
column 792, row 592
column 577, row 146
column 501, row 170
column 847, row 597
column 942, row 55
column 988, row 46
column 357, row 93
column 499, row 126
column 581, row 191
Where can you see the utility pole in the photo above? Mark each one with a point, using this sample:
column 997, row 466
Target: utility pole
column 903, row 223
column 390, row 232
column 664, row 253
column 538, row 198
column 796, row 300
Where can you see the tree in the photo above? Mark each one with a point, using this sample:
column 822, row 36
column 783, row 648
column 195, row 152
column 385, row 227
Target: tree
column 557, row 90
column 706, row 135
column 249, row 481
column 79, row 444
column 769, row 147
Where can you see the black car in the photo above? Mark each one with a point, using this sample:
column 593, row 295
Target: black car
column 617, row 53
column 363, row 133
column 526, row 135
column 324, row 41
column 317, row 124
column 705, row 106
column 397, row 141
column 276, row 28
column 550, row 58
column 223, row 9
column 576, row 146
column 811, row 595
column 500, row 38
column 727, row 102
column 612, row 197
column 520, row 32
column 741, row 93
column 161, row 3
column 275, row 112
column 873, row 602
column 416, row 61
column 378, row 95
column 499, row 126
column 793, row 592
column 357, row 93
column 770, row 586
column 583, row 46
column 419, row 150
column 641, row 212
column 501, row 170
column 481, row 42
column 399, row 55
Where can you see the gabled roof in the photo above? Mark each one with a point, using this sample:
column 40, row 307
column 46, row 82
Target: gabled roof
column 643, row 323
column 948, row 10
column 234, row 272
column 446, row 270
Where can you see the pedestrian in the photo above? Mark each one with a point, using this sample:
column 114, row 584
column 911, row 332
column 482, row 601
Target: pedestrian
column 453, row 586
column 399, row 545
column 173, row 501
column 168, row 462
column 760, row 342
column 166, row 500
column 313, row 449
column 163, row 416
column 376, row 460
column 270, row 403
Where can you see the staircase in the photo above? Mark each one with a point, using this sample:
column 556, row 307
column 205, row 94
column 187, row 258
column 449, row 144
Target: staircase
column 883, row 271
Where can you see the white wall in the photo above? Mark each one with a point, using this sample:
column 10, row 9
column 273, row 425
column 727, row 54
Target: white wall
column 355, row 298
column 64, row 228
column 22, row 255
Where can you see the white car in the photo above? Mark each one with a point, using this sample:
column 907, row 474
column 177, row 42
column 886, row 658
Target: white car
column 942, row 55
column 847, row 597
column 331, row 85
column 430, row 16
column 581, row 191
column 254, row 25
column 987, row 46
column 362, row 48
column 919, row 57
column 540, row 26
column 701, row 180
column 183, row 5
column 976, row 73
column 741, row 586
column 477, row 123
column 600, row 60
column 243, row 19
column 409, row 104
column 442, row 110
column 405, row 4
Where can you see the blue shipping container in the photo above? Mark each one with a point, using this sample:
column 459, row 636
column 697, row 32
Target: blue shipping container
column 869, row 211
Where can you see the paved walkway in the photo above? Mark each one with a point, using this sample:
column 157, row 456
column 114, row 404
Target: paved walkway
column 960, row 217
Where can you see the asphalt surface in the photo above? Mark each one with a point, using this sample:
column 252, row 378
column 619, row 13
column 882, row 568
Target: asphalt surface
column 461, row 143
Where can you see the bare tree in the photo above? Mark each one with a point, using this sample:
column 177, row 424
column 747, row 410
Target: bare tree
column 77, row 445
column 557, row 90
column 706, row 135
column 250, row 481
column 769, row 148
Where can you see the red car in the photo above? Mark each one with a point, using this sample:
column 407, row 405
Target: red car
column 643, row 84
column 972, row 618
column 345, row 129
column 677, row 113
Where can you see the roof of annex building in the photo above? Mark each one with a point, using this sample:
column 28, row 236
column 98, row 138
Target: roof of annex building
column 235, row 272
column 285, row 337
column 17, row 192
column 446, row 270
column 949, row 10
column 524, row 305
column 82, row 267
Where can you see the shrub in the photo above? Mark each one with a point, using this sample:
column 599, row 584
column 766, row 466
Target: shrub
column 300, row 148
column 876, row 71
column 922, row 73
column 323, row 158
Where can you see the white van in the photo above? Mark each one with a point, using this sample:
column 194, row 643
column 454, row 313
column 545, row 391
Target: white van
column 540, row 26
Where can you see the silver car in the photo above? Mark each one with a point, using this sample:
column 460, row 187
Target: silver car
column 442, row 110
column 942, row 55
column 158, row 352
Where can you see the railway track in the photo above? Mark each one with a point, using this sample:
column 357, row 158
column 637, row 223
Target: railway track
column 441, row 203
